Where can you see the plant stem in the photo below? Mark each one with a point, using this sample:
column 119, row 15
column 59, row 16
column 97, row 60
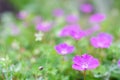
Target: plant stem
column 64, row 58
column 84, row 74
column 77, row 46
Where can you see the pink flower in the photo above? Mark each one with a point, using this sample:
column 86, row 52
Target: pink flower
column 14, row 30
column 86, row 8
column 37, row 20
column 103, row 40
column 72, row 18
column 58, row 12
column 22, row 15
column 78, row 34
column 72, row 30
column 44, row 26
column 68, row 28
column 64, row 48
column 85, row 62
column 96, row 18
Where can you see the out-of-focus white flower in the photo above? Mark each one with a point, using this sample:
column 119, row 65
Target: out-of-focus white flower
column 40, row 78
column 38, row 36
column 33, row 60
column 36, row 51
column 2, row 59
column 15, row 45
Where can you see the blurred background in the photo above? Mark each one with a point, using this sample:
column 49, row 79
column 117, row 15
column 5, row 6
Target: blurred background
column 44, row 7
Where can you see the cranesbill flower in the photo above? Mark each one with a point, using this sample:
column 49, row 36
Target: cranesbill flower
column 64, row 48
column 37, row 20
column 97, row 18
column 85, row 62
column 22, row 15
column 78, row 34
column 103, row 40
column 44, row 26
column 15, row 30
column 73, row 31
column 67, row 29
column 58, row 12
column 72, row 18
column 86, row 8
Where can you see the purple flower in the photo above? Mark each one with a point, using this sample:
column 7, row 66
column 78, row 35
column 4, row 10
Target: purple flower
column 44, row 26
column 64, row 48
column 72, row 18
column 68, row 28
column 58, row 12
column 85, row 62
column 103, row 40
column 86, row 8
column 96, row 18
column 119, row 63
column 73, row 31
column 14, row 30
column 22, row 15
column 78, row 34
column 37, row 20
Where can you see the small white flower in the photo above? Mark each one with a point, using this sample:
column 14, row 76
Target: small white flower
column 15, row 45
column 36, row 51
column 38, row 36
column 40, row 78
column 2, row 59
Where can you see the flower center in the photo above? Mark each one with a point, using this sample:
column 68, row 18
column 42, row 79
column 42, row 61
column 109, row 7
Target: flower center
column 85, row 66
column 64, row 51
column 100, row 44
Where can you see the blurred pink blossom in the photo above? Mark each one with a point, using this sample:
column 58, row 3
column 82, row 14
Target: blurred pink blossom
column 86, row 8
column 72, row 18
column 58, row 12
column 15, row 30
column 77, row 34
column 22, row 15
column 97, row 18
column 73, row 31
column 103, row 40
column 64, row 48
column 44, row 26
column 37, row 20
column 68, row 28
